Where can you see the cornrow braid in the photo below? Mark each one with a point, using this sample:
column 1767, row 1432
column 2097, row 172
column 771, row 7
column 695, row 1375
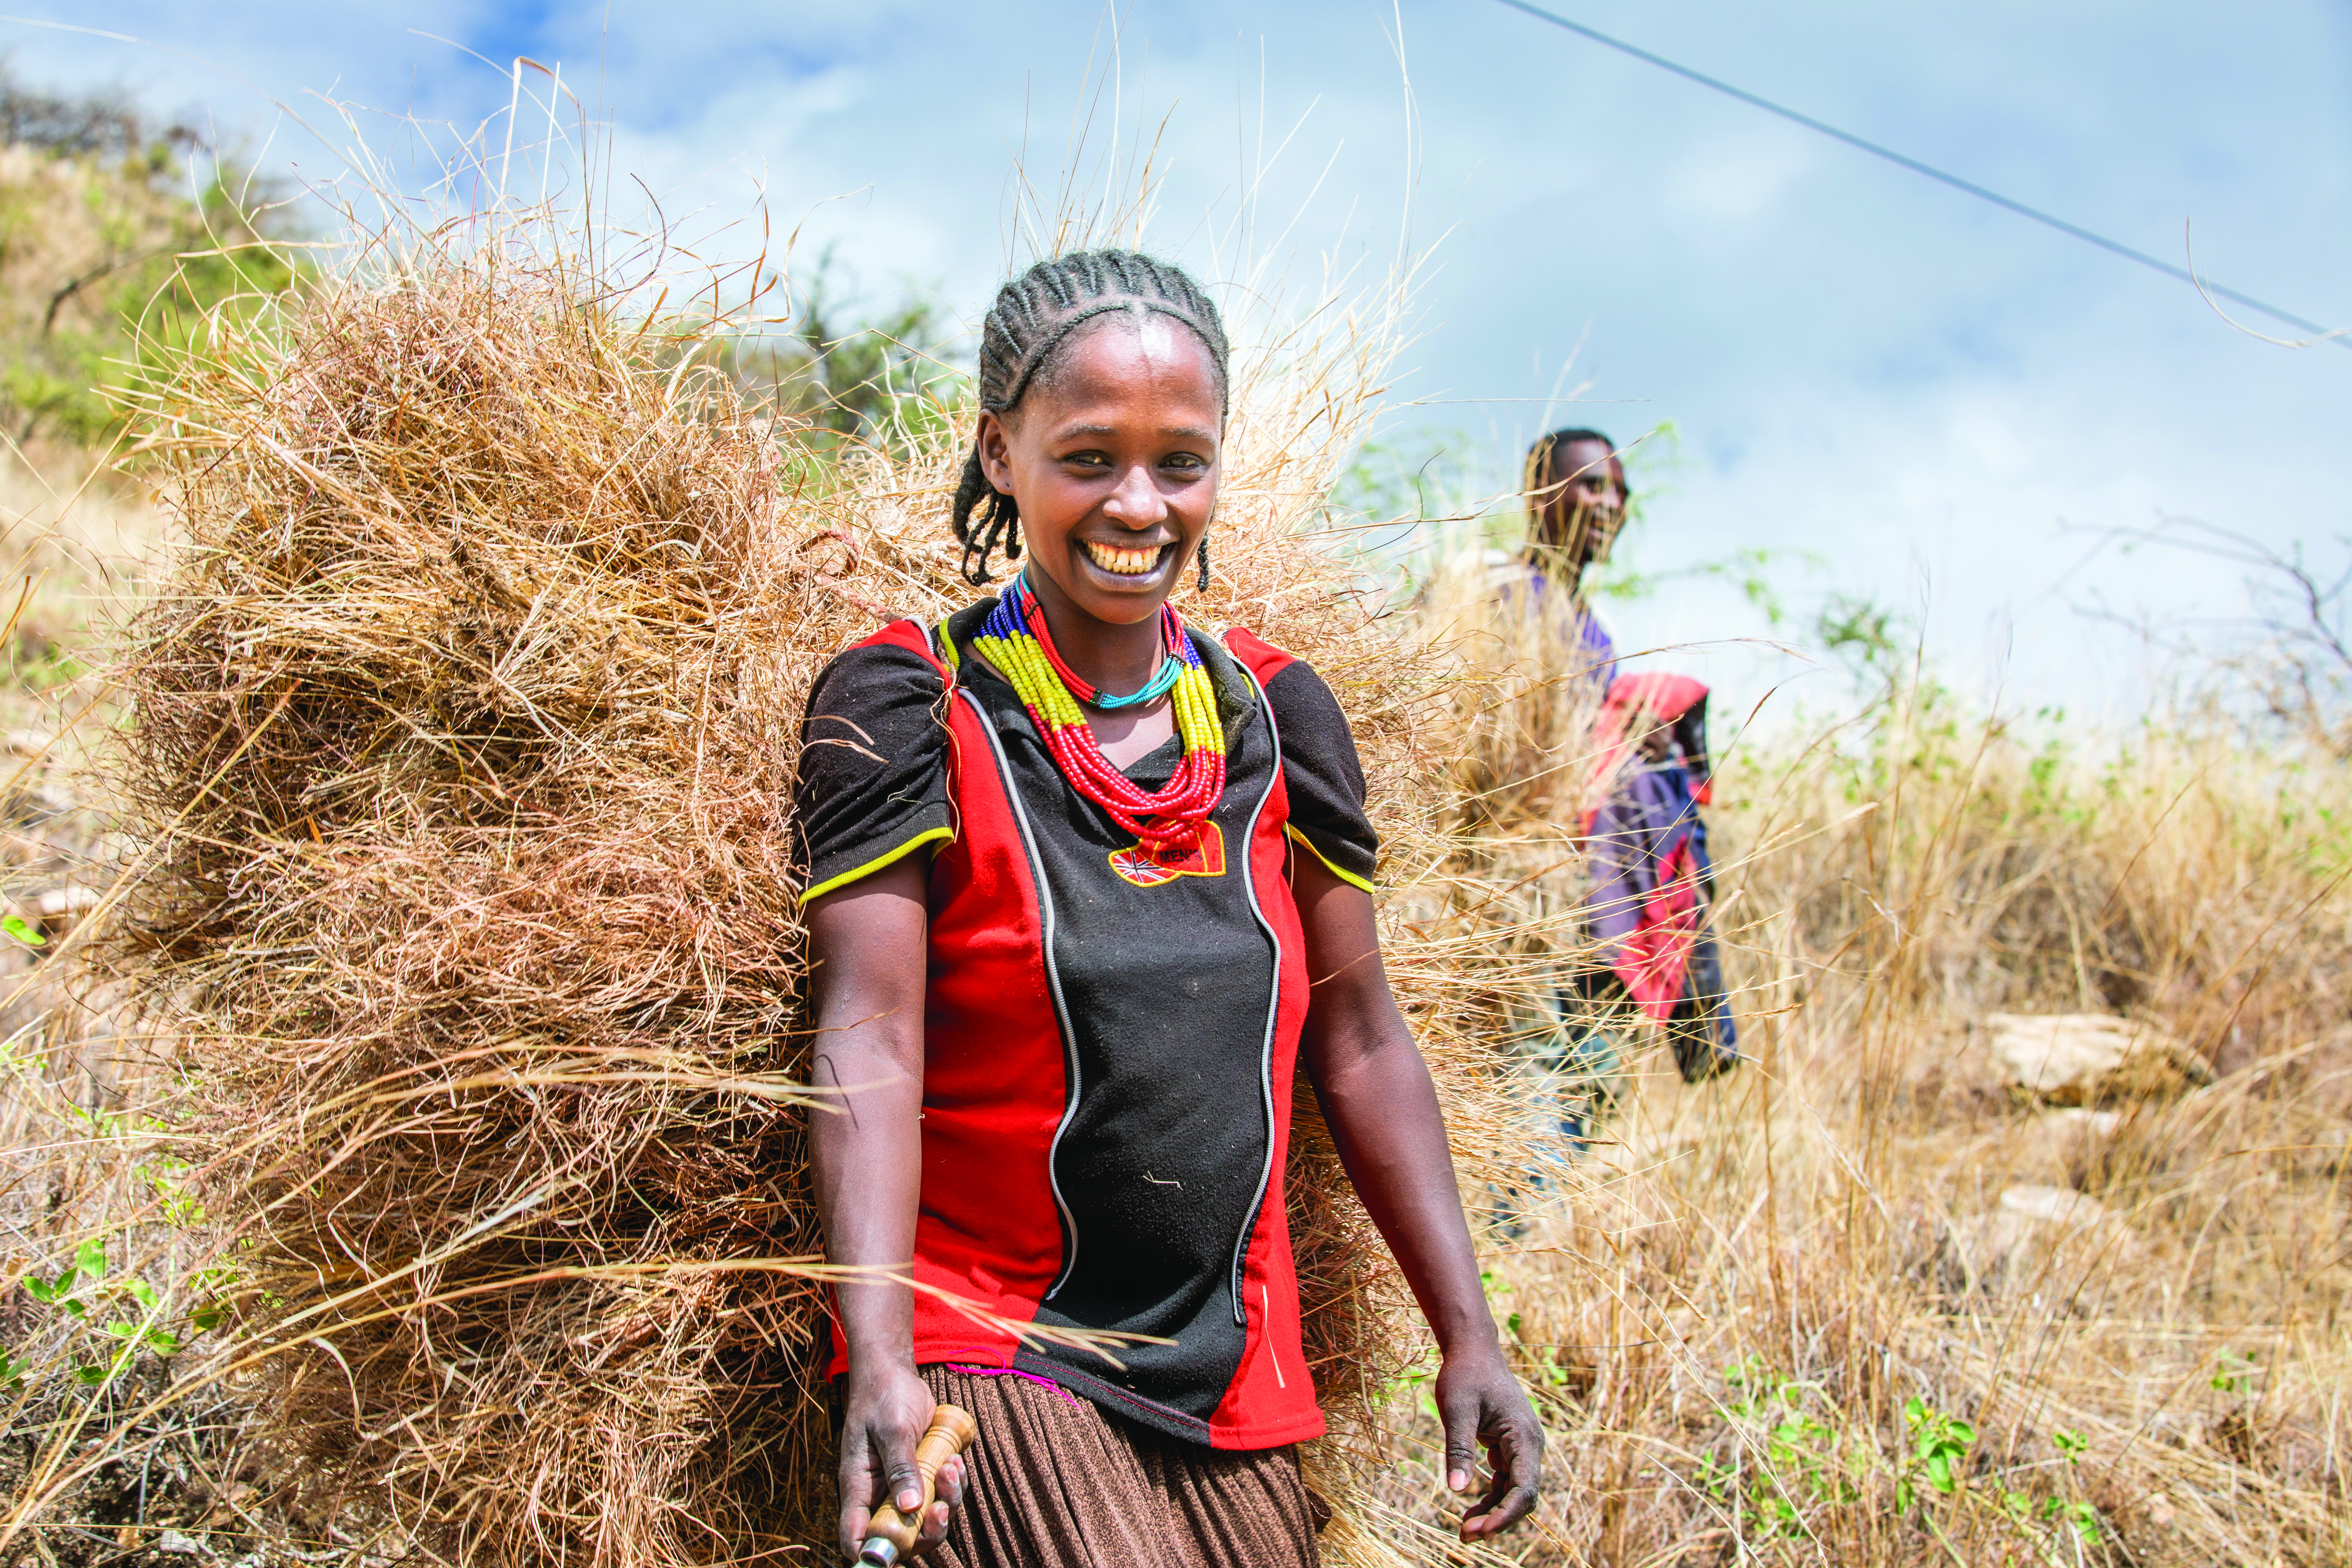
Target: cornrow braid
column 1035, row 317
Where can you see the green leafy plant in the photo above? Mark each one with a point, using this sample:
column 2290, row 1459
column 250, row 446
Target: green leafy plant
column 145, row 1334
column 2233, row 1373
column 2083, row 1518
column 1750, row 569
column 89, row 1268
column 213, row 1288
column 169, row 1177
column 83, row 1284
column 1802, row 1460
column 1940, row 1442
column 1433, row 475
column 861, row 374
column 24, row 931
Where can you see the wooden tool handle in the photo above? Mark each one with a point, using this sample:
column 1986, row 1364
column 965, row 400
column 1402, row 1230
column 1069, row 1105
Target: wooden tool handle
column 951, row 1433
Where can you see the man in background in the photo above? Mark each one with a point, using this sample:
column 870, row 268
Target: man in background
column 1575, row 485
column 1651, row 959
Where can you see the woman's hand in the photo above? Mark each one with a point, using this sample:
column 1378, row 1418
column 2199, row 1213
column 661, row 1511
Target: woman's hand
column 1482, row 1404
column 890, row 1411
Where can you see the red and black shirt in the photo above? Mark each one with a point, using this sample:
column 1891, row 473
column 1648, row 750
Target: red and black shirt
column 1108, row 1041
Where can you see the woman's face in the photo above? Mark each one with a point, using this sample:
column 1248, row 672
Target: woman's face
column 1587, row 504
column 1113, row 458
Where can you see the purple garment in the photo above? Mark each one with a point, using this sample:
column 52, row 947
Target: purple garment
column 1532, row 589
column 1651, row 813
column 1644, row 820
column 1601, row 653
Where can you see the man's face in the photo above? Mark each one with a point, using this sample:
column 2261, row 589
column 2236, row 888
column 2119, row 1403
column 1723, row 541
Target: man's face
column 1583, row 507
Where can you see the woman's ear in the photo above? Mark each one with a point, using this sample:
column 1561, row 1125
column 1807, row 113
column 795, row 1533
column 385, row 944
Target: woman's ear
column 994, row 445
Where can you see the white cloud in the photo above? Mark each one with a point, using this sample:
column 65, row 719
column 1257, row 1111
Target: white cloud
column 1731, row 180
column 1860, row 361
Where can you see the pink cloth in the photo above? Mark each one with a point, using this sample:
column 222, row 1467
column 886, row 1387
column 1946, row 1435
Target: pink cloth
column 1641, row 829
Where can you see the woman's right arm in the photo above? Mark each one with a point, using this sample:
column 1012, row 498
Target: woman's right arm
column 866, row 949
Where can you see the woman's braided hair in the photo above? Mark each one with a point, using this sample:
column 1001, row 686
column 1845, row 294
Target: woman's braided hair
column 1035, row 318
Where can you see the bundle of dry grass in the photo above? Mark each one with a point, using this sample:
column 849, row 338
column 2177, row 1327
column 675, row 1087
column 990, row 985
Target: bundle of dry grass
column 463, row 728
column 1522, row 694
column 461, row 750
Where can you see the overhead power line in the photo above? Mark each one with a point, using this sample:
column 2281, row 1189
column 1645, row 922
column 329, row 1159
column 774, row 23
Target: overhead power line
column 1916, row 167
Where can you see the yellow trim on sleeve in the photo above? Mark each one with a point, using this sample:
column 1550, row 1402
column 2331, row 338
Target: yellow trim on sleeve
column 1348, row 877
column 947, row 648
column 879, row 861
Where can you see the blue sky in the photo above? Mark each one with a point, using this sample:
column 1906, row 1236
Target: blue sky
column 1942, row 403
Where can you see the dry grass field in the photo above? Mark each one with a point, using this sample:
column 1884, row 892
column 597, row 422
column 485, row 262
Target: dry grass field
column 1869, row 1299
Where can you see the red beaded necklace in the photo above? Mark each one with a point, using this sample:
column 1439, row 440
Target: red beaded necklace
column 1014, row 639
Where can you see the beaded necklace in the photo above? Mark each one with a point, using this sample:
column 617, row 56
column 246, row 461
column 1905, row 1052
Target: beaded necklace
column 1014, row 639
column 1165, row 673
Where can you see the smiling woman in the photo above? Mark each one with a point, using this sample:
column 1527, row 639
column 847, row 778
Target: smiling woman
column 1035, row 316
column 1084, row 889
column 1120, row 467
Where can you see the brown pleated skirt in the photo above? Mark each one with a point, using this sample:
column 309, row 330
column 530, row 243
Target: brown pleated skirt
column 1055, row 1482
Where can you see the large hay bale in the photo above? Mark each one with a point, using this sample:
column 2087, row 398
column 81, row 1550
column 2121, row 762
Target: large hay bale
column 465, row 728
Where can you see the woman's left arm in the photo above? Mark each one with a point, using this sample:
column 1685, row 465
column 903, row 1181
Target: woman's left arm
column 1377, row 1096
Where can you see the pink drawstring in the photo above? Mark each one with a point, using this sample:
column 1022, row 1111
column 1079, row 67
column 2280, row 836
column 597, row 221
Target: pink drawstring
column 1015, row 1371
